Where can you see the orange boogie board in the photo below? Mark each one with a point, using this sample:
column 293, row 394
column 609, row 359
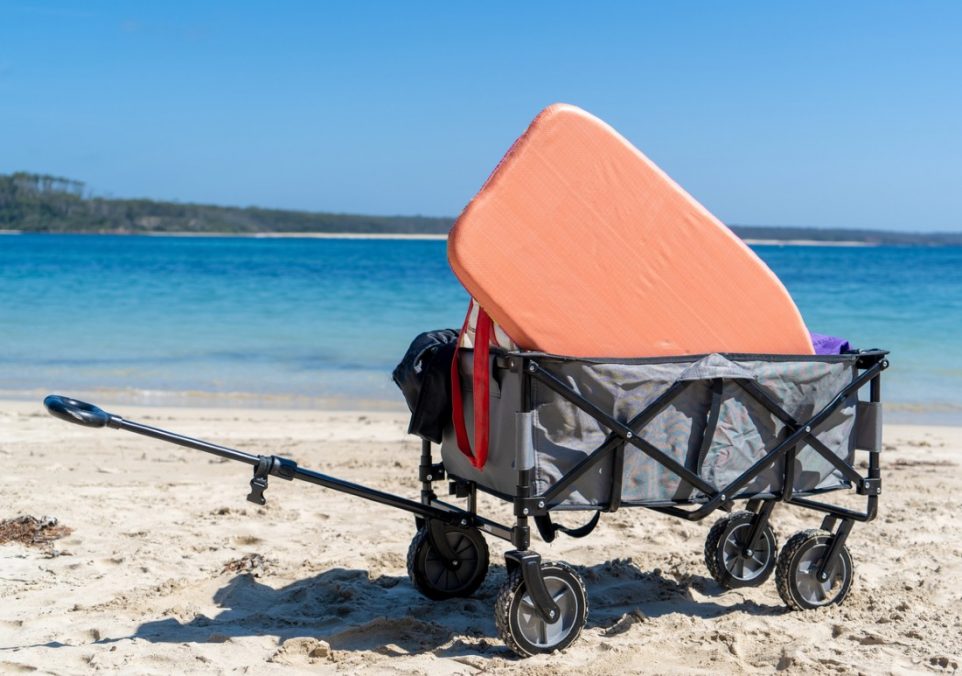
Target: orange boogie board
column 579, row 245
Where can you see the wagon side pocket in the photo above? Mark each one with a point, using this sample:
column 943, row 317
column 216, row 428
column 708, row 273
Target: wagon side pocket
column 868, row 426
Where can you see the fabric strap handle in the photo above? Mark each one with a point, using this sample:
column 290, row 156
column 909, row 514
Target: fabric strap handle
column 482, row 403
column 549, row 530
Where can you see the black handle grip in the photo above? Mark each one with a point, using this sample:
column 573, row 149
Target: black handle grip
column 77, row 412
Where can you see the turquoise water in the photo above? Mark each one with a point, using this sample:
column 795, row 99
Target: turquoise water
column 308, row 319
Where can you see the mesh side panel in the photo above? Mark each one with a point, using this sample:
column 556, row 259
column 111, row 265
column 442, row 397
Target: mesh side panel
column 564, row 435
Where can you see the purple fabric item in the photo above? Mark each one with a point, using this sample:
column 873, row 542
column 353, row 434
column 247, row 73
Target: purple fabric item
column 829, row 344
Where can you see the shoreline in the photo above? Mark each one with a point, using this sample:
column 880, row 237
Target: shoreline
column 933, row 414
column 297, row 235
column 196, row 400
column 807, row 242
column 396, row 236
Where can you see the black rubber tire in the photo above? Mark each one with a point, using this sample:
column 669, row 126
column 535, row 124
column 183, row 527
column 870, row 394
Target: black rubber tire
column 512, row 606
column 721, row 535
column 794, row 574
column 438, row 581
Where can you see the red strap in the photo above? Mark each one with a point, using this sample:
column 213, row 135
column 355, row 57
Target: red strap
column 482, row 403
column 457, row 409
column 482, row 349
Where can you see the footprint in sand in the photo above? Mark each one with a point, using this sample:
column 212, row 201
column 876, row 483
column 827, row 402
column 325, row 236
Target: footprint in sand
column 302, row 650
column 247, row 540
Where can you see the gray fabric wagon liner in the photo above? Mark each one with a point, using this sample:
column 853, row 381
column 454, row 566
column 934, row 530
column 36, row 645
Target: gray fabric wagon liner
column 563, row 435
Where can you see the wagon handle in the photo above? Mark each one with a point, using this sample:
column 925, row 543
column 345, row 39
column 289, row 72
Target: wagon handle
column 77, row 412
column 88, row 415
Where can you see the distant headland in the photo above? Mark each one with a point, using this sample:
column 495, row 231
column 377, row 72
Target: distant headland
column 51, row 204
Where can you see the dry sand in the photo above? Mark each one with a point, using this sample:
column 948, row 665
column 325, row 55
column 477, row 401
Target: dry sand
column 168, row 570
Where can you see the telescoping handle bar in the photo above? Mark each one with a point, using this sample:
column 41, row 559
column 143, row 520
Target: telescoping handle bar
column 88, row 415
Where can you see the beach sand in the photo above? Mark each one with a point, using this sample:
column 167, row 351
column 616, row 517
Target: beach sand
column 169, row 570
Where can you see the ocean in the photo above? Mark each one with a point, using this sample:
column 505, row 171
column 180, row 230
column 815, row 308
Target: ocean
column 322, row 322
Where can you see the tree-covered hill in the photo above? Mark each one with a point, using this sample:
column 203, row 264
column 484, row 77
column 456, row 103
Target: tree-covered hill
column 41, row 203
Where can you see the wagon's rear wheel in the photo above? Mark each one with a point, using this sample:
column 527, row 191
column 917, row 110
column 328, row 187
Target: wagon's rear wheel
column 729, row 557
column 438, row 578
column 797, row 572
column 520, row 625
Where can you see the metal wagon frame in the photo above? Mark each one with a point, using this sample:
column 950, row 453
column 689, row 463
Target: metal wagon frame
column 543, row 606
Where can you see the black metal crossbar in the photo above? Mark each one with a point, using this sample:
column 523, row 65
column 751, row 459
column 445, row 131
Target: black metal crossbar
column 613, row 441
column 762, row 397
column 627, row 433
column 623, row 431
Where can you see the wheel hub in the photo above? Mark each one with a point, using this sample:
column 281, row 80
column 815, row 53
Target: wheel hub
column 439, row 577
column 535, row 629
column 814, row 588
column 741, row 562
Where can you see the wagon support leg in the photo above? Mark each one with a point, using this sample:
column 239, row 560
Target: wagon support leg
column 759, row 523
column 522, row 558
column 428, row 472
column 838, row 541
column 530, row 565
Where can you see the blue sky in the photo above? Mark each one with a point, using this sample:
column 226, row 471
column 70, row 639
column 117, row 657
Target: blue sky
column 828, row 114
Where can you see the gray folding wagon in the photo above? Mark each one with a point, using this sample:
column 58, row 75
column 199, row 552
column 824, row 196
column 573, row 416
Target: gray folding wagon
column 683, row 436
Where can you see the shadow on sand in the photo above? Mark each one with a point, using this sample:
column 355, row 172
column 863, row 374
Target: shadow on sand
column 352, row 611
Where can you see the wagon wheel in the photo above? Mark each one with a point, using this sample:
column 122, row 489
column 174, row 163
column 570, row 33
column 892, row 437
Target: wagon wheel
column 797, row 571
column 440, row 579
column 520, row 625
column 731, row 562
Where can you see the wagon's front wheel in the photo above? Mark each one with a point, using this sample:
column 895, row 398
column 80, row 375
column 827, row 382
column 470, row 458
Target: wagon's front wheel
column 797, row 577
column 520, row 625
column 731, row 559
column 438, row 578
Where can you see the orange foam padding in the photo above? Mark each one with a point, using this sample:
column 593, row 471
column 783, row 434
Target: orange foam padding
column 579, row 245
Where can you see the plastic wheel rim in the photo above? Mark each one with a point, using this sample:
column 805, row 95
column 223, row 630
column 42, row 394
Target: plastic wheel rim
column 809, row 587
column 540, row 633
column 441, row 574
column 740, row 566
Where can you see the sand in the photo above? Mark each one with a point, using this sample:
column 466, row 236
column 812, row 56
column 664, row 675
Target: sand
column 169, row 570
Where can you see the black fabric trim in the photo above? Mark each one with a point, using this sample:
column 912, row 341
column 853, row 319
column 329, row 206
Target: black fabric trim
column 682, row 359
